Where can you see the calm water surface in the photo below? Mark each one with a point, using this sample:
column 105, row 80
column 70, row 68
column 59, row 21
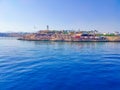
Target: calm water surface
column 38, row 65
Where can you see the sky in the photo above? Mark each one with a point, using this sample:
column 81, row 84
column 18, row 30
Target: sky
column 35, row 15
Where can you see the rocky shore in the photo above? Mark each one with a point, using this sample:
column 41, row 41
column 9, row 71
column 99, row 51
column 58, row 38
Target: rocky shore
column 113, row 38
column 69, row 36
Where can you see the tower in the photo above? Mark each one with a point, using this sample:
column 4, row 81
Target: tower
column 47, row 27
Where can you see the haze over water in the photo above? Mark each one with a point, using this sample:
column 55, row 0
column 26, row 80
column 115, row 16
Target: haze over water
column 38, row 65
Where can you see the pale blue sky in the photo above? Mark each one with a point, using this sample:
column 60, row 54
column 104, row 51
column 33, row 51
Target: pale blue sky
column 24, row 15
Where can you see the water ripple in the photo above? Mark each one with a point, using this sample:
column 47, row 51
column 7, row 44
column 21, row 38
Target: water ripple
column 43, row 65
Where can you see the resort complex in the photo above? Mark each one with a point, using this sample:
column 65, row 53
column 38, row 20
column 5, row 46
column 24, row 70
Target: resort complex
column 70, row 35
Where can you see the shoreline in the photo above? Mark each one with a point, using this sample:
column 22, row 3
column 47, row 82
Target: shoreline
column 68, row 41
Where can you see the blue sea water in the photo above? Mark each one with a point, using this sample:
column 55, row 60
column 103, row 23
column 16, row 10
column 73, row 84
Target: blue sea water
column 44, row 65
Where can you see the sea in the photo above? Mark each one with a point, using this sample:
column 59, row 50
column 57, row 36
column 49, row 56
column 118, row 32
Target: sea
column 48, row 65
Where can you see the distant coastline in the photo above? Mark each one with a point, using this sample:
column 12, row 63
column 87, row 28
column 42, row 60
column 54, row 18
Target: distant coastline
column 12, row 34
